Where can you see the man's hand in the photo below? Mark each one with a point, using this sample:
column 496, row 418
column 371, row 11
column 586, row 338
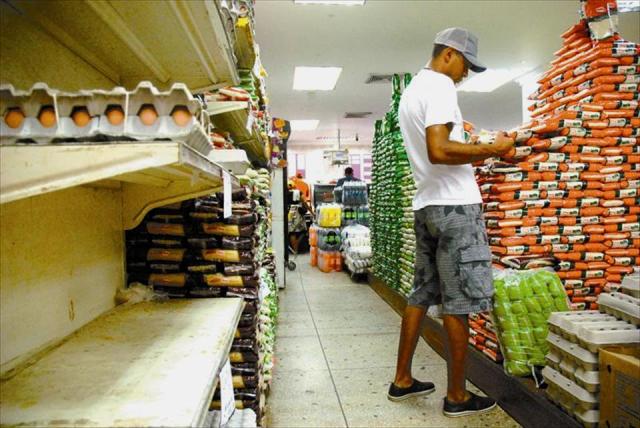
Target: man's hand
column 503, row 144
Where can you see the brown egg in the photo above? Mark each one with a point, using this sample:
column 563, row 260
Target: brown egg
column 80, row 116
column 47, row 116
column 14, row 117
column 147, row 114
column 115, row 115
column 181, row 115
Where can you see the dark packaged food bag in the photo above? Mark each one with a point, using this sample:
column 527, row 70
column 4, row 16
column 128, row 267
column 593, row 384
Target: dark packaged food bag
column 243, row 292
column 166, row 229
column 204, row 243
column 237, row 243
column 243, row 381
column 221, row 229
column 247, row 320
column 239, row 268
column 220, row 280
column 235, row 256
column 206, row 292
column 245, row 333
column 244, row 369
column 242, row 357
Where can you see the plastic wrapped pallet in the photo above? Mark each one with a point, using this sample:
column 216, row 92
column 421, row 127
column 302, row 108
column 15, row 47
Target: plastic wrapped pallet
column 523, row 302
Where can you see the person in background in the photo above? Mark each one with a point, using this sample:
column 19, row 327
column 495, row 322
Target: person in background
column 302, row 186
column 453, row 259
column 297, row 208
column 348, row 176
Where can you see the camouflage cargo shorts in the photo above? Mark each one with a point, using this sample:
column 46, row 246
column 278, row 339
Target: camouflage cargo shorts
column 453, row 259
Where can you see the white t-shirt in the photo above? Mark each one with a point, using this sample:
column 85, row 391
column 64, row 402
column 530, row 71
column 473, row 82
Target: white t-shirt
column 431, row 99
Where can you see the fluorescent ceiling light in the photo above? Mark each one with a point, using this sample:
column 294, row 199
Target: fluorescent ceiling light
column 303, row 125
column 490, row 80
column 332, row 2
column 316, row 78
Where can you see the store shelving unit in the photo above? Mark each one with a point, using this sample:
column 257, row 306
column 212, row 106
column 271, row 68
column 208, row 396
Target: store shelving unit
column 150, row 364
column 235, row 118
column 118, row 43
column 69, row 356
column 148, row 174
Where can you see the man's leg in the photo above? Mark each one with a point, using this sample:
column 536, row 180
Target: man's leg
column 409, row 334
column 457, row 342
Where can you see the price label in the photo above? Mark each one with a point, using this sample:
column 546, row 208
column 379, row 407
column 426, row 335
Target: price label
column 226, row 186
column 228, row 401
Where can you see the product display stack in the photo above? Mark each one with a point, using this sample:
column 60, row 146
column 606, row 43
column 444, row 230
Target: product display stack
column 325, row 239
column 191, row 250
column 576, row 341
column 567, row 195
column 392, row 191
column 355, row 235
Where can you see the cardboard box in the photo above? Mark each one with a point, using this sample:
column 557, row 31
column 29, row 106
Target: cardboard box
column 620, row 387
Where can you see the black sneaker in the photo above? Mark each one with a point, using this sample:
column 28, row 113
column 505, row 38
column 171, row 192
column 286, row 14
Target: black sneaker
column 416, row 389
column 473, row 406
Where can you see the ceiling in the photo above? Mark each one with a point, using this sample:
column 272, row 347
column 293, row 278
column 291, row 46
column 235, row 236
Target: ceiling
column 388, row 36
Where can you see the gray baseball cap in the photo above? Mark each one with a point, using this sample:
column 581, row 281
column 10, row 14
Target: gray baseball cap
column 464, row 42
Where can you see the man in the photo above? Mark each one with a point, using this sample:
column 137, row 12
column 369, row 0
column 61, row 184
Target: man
column 453, row 260
column 348, row 176
column 300, row 184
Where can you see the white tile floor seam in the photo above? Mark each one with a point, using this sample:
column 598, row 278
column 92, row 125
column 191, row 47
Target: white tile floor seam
column 335, row 355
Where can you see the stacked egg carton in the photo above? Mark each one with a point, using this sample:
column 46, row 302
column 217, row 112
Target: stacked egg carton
column 392, row 213
column 42, row 115
column 574, row 339
column 567, row 195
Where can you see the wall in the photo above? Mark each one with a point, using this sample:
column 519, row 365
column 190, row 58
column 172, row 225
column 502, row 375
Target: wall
column 62, row 259
column 318, row 169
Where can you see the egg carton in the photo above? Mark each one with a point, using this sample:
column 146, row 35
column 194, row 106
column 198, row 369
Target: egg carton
column 573, row 352
column 566, row 324
column 631, row 285
column 100, row 126
column 574, row 399
column 598, row 334
column 621, row 306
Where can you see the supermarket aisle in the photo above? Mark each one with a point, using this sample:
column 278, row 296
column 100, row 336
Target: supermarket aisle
column 335, row 357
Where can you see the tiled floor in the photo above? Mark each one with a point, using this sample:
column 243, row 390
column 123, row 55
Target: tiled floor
column 335, row 357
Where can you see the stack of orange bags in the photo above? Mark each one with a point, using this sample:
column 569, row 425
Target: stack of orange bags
column 568, row 195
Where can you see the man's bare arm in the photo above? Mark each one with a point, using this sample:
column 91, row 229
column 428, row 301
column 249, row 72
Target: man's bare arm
column 443, row 151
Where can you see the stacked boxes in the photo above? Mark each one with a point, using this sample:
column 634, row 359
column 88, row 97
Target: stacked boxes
column 392, row 194
column 567, row 196
column 575, row 339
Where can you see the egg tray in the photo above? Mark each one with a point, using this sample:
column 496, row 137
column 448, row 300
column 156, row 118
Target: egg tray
column 574, row 399
column 99, row 128
column 566, row 350
column 598, row 334
column 566, row 324
column 587, row 379
column 631, row 285
column 621, row 306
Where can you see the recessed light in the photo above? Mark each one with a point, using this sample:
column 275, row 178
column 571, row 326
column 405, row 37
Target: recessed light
column 490, row 80
column 332, row 2
column 304, row 125
column 316, row 78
